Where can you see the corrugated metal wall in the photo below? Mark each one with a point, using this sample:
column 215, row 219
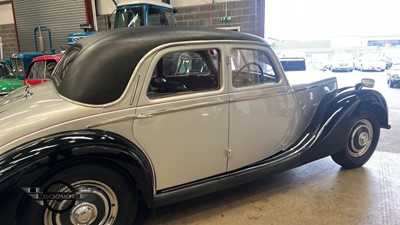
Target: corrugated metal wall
column 61, row 16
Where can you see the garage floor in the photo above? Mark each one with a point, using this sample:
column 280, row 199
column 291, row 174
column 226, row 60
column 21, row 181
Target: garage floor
column 318, row 193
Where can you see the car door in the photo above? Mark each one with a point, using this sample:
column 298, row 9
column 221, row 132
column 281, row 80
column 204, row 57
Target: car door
column 182, row 115
column 262, row 107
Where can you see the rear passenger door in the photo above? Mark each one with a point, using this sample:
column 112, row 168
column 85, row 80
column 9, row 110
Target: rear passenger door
column 261, row 111
column 183, row 114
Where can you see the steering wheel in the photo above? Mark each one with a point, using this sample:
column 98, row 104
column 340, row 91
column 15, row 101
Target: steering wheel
column 242, row 79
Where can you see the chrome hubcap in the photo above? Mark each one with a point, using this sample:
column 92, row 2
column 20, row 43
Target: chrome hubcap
column 84, row 213
column 96, row 203
column 360, row 138
column 363, row 139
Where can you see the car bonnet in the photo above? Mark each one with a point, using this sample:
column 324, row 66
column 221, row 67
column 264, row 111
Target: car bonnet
column 30, row 113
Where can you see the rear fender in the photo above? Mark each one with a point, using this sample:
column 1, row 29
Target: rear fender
column 22, row 166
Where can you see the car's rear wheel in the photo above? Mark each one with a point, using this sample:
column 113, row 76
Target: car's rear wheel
column 101, row 195
column 362, row 139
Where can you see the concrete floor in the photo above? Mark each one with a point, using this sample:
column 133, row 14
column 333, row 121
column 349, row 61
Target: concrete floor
column 317, row 193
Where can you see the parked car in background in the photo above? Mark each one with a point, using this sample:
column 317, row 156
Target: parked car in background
column 9, row 81
column 341, row 62
column 40, row 69
column 370, row 62
column 163, row 114
column 389, row 56
column 321, row 65
column 393, row 75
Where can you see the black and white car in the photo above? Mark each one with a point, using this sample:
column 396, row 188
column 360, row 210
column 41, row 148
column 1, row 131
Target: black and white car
column 168, row 114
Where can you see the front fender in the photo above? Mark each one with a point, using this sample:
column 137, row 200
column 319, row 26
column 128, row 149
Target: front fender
column 20, row 167
column 326, row 133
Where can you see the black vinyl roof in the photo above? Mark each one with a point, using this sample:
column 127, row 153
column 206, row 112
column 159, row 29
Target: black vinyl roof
column 100, row 72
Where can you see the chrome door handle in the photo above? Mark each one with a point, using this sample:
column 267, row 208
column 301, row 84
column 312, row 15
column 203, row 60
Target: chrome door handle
column 143, row 116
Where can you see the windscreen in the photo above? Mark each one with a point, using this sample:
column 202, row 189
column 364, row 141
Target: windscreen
column 5, row 70
column 129, row 16
column 41, row 69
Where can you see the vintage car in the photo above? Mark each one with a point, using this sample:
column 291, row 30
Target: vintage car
column 9, row 81
column 40, row 69
column 393, row 74
column 120, row 121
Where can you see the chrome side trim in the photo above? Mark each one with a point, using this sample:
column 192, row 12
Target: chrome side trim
column 183, row 108
column 113, row 120
column 259, row 96
column 157, row 112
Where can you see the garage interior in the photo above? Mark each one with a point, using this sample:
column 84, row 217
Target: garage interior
column 317, row 193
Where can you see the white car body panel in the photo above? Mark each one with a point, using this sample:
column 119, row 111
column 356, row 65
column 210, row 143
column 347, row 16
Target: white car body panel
column 264, row 117
column 210, row 124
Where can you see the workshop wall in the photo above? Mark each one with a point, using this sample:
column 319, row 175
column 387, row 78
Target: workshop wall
column 7, row 30
column 241, row 15
column 8, row 38
column 244, row 15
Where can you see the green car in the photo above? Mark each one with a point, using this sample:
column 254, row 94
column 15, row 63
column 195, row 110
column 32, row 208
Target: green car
column 8, row 80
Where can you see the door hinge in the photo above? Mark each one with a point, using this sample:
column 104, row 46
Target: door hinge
column 228, row 153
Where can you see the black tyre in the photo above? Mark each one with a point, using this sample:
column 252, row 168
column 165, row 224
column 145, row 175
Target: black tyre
column 105, row 195
column 362, row 140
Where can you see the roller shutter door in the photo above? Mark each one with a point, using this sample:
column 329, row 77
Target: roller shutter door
column 61, row 16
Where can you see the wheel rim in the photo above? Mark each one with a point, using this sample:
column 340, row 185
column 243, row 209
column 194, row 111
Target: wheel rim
column 360, row 138
column 96, row 203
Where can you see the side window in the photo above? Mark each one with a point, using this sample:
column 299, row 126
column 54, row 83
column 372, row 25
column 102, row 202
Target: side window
column 251, row 67
column 170, row 17
column 185, row 72
column 3, row 70
column 42, row 69
column 37, row 70
column 157, row 17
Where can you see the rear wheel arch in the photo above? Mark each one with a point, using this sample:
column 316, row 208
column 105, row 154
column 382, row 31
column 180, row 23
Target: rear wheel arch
column 89, row 146
column 91, row 179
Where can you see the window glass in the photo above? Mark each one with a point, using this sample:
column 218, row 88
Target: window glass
column 251, row 67
column 170, row 17
column 64, row 65
column 5, row 71
column 41, row 69
column 185, row 72
column 129, row 17
column 157, row 17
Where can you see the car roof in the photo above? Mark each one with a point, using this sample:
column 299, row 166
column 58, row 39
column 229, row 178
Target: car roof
column 110, row 57
column 152, row 35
